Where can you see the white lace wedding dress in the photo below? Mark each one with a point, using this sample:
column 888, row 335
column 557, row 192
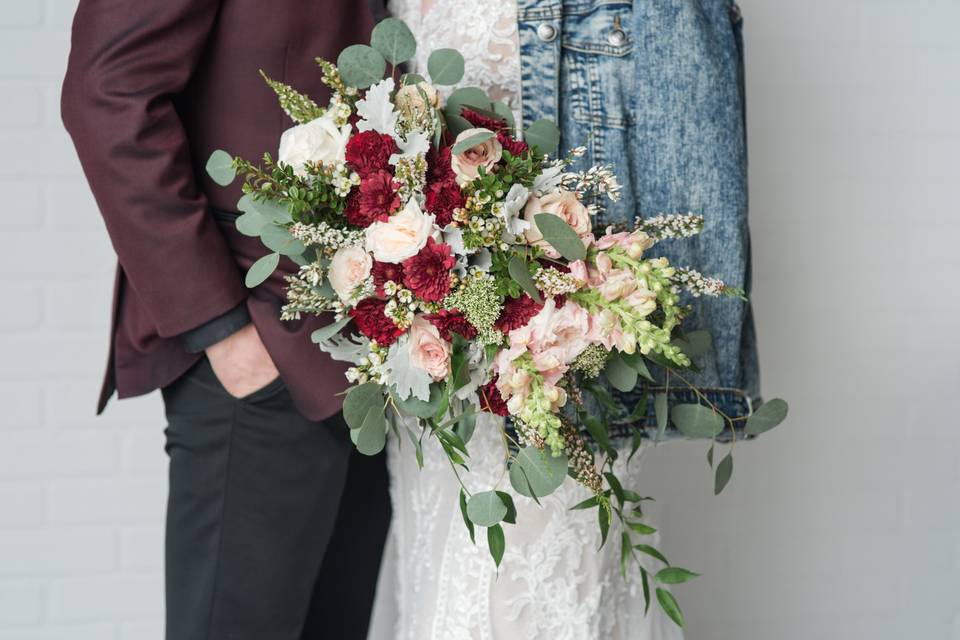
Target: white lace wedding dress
column 552, row 582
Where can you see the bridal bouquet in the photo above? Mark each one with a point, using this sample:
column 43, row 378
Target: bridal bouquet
column 463, row 273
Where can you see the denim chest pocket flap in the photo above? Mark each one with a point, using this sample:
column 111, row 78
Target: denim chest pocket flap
column 597, row 44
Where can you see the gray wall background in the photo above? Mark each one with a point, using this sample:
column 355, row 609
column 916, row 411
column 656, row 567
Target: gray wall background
column 843, row 524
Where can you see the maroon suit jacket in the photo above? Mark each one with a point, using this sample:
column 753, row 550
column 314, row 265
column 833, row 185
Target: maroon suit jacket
column 152, row 88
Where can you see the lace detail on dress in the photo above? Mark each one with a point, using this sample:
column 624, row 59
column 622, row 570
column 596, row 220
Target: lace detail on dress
column 484, row 32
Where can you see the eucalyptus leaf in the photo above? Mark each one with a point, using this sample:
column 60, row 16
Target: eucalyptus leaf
column 517, row 267
column 271, row 211
column 327, row 332
column 445, row 66
column 636, row 360
column 250, row 224
column 465, row 426
column 660, row 410
column 505, row 112
column 496, row 543
column 486, row 509
column 279, row 239
column 769, row 415
column 372, row 434
column 465, row 96
column 261, row 269
column 393, row 39
column 674, row 575
column 472, row 141
column 542, row 473
column 696, row 421
column 622, row 376
column 220, row 168
column 544, row 135
column 561, row 236
column 413, row 406
column 457, row 124
column 695, row 343
column 358, row 401
column 412, row 78
column 466, row 519
column 361, row 66
column 724, row 471
column 669, row 605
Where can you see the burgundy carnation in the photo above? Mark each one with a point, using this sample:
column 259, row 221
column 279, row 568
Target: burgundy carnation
column 427, row 274
column 384, row 271
column 514, row 146
column 483, row 121
column 491, row 399
column 450, row 321
column 442, row 198
column 373, row 201
column 438, row 165
column 370, row 151
column 517, row 313
column 372, row 322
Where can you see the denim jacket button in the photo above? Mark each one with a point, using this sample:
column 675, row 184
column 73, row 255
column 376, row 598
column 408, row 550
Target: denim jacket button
column 617, row 37
column 547, row 32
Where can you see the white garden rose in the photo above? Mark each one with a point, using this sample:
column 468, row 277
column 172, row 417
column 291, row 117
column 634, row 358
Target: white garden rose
column 467, row 165
column 402, row 236
column 349, row 268
column 410, row 101
column 319, row 140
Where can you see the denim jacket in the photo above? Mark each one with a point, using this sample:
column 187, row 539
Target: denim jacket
column 655, row 89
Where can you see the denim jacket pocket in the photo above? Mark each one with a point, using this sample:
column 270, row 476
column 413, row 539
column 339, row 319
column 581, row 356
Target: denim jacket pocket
column 596, row 49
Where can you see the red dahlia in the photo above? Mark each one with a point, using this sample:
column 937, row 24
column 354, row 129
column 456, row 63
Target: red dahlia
column 450, row 321
column 373, row 201
column 372, row 322
column 438, row 165
column 442, row 198
column 427, row 274
column 491, row 400
column 514, row 146
column 483, row 121
column 517, row 313
column 384, row 271
column 369, row 152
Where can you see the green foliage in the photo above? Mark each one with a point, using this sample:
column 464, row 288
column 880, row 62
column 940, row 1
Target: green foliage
column 220, row 168
column 466, row 518
column 520, row 273
column 327, row 332
column 622, row 376
column 724, row 471
column 496, row 543
column 393, row 39
column 674, row 575
column 445, row 66
column 299, row 107
column 511, row 516
column 358, row 401
column 486, row 509
column 465, row 96
column 361, row 66
column 536, row 473
column 696, row 421
column 279, row 239
column 261, row 269
column 372, row 435
column 413, row 406
column 251, row 224
column 669, row 605
column 304, row 200
column 472, row 141
column 660, row 410
column 561, row 236
column 769, row 415
column 544, row 135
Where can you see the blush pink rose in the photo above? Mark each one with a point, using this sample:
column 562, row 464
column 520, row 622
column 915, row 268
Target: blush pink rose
column 467, row 165
column 566, row 206
column 349, row 268
column 428, row 351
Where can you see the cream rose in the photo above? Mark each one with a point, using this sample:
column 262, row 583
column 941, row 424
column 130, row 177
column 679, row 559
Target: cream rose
column 428, row 351
column 349, row 268
column 467, row 165
column 402, row 236
column 410, row 101
column 319, row 140
column 566, row 206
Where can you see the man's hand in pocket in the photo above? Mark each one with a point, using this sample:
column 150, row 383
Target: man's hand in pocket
column 242, row 363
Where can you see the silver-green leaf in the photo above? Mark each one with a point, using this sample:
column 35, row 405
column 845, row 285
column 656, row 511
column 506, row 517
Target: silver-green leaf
column 517, row 268
column 472, row 141
column 261, row 269
column 622, row 376
column 696, row 421
column 445, row 66
column 537, row 471
column 327, row 332
column 372, row 435
column 220, row 168
column 279, row 239
column 544, row 135
column 358, row 401
column 393, row 39
column 770, row 414
column 486, row 509
column 361, row 66
column 561, row 236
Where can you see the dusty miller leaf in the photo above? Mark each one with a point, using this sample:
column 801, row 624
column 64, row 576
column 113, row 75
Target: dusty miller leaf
column 407, row 379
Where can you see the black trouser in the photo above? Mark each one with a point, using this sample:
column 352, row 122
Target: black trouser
column 275, row 524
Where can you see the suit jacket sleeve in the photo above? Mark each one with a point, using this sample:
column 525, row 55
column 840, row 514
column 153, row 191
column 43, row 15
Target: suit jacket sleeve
column 129, row 58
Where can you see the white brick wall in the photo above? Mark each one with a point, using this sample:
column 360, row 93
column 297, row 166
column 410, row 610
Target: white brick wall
column 840, row 526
